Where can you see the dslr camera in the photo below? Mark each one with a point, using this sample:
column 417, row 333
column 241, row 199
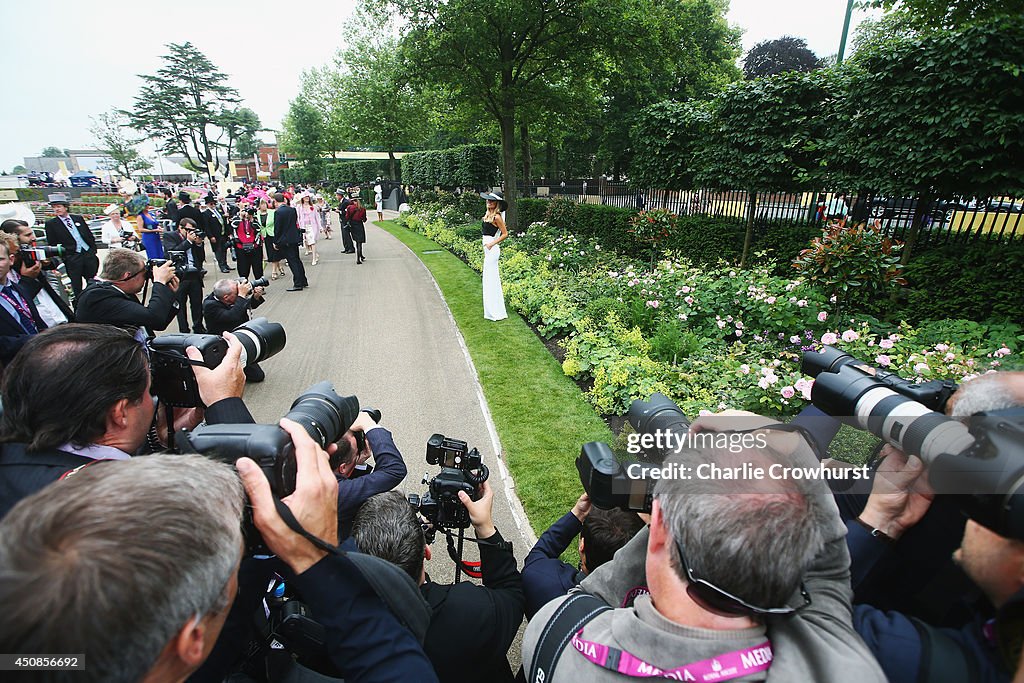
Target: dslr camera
column 261, row 282
column 181, row 268
column 604, row 477
column 462, row 469
column 982, row 458
column 174, row 383
column 30, row 254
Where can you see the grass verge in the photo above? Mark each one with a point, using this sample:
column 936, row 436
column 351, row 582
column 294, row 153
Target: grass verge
column 541, row 416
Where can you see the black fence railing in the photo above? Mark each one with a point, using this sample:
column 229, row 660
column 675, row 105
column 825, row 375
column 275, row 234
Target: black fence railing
column 942, row 220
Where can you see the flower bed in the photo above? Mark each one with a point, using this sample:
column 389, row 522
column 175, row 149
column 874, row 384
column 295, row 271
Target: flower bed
column 708, row 337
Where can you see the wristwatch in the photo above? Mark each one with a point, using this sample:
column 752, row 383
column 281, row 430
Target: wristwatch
column 875, row 532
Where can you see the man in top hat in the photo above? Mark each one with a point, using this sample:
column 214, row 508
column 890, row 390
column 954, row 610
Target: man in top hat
column 72, row 233
column 217, row 230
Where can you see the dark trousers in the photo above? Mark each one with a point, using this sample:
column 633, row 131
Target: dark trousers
column 190, row 291
column 249, row 261
column 79, row 267
column 346, row 236
column 291, row 254
column 220, row 250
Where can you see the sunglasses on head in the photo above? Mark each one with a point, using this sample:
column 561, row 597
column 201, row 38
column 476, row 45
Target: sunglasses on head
column 717, row 600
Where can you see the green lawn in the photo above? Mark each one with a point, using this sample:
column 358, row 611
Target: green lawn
column 541, row 416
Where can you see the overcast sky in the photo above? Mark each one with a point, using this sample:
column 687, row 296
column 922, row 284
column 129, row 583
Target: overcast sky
column 66, row 60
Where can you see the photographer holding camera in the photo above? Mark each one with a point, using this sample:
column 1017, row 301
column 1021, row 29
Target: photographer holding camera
column 485, row 618
column 37, row 287
column 227, row 307
column 248, row 245
column 601, row 532
column 111, row 299
column 19, row 319
column 77, row 394
column 748, row 576
column 188, row 241
column 176, row 580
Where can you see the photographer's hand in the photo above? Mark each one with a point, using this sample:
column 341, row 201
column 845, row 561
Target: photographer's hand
column 900, row 494
column 582, row 507
column 224, row 381
column 257, row 292
column 480, row 511
column 363, row 422
column 314, row 502
column 164, row 273
column 244, row 288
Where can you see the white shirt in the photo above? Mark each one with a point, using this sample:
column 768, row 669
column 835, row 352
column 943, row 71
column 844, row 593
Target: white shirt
column 112, row 234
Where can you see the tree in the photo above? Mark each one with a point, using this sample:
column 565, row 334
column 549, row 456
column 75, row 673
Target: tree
column 240, row 126
column 108, row 129
column 181, row 105
column 302, row 137
column 938, row 14
column 771, row 57
column 53, row 152
column 19, row 169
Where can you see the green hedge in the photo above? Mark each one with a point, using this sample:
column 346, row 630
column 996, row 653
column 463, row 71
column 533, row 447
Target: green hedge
column 465, row 166
column 344, row 172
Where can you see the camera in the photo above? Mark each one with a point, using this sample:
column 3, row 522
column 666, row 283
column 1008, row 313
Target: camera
column 173, row 380
column 261, row 282
column 604, row 477
column 30, row 254
column 181, row 268
column 982, row 458
column 462, row 469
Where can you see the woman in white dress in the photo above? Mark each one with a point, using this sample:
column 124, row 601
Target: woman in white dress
column 494, row 232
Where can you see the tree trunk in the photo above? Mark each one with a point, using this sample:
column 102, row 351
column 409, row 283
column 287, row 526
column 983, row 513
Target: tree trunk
column 524, row 142
column 549, row 160
column 507, row 123
column 749, row 237
column 924, row 203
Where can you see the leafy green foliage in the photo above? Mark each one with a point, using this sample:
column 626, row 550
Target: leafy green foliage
column 773, row 57
column 303, row 137
column 667, row 137
column 463, row 166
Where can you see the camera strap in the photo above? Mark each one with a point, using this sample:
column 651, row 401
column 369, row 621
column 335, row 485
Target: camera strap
column 393, row 586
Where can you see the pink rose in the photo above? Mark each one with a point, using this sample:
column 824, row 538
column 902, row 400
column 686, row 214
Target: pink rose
column 883, row 360
column 822, row 317
column 885, row 343
column 829, row 338
column 850, row 336
column 787, row 392
column 744, row 369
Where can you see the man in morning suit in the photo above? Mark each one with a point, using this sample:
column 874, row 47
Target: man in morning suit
column 72, row 233
column 19, row 319
column 190, row 291
column 288, row 238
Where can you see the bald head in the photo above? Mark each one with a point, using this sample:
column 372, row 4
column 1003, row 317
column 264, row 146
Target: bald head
column 995, row 391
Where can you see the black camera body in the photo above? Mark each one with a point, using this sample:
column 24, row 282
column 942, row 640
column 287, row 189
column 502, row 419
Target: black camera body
column 462, row 469
column 174, row 382
column 607, row 480
column 29, row 254
column 260, row 282
column 181, row 268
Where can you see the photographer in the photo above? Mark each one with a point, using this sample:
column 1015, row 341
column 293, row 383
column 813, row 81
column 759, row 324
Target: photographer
column 485, row 618
column 747, row 577
column 77, row 394
column 248, row 245
column 111, row 299
column 19, row 319
column 227, row 307
column 353, row 452
column 62, row 601
column 903, row 531
column 188, row 240
column 601, row 532
column 53, row 309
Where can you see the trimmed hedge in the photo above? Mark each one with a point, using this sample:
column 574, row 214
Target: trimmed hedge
column 465, row 166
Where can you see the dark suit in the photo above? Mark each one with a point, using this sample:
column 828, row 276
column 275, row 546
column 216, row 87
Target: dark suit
column 288, row 238
column 189, row 211
column 79, row 267
column 346, row 234
column 189, row 291
column 218, row 233
column 40, row 286
column 103, row 303
column 12, row 335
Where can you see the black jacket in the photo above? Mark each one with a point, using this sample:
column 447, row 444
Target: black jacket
column 171, row 211
column 102, row 302
column 57, row 234
column 173, row 241
column 214, row 226
column 189, row 211
column 221, row 318
column 473, row 626
column 286, row 226
column 23, row 473
column 12, row 335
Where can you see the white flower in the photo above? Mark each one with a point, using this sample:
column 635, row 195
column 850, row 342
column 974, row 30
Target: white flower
column 828, row 338
column 721, row 324
column 885, row 343
column 801, row 303
column 822, row 317
column 763, row 383
column 850, row 335
column 921, row 368
column 1003, row 351
column 744, row 369
column 739, row 333
column 883, row 360
column 942, row 347
column 689, row 300
column 832, row 299
column 948, row 357
column 795, row 339
column 685, row 289
column 770, row 300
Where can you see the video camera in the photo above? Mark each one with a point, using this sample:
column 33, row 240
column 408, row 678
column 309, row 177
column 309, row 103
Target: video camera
column 173, row 380
column 30, row 254
column 181, row 268
column 982, row 458
column 462, row 469
column 604, row 477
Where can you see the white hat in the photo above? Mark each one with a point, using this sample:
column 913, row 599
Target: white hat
column 112, row 209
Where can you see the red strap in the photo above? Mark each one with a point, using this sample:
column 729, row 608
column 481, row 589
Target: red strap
column 71, row 472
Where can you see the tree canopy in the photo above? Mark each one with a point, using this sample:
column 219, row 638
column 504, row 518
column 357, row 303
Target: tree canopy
column 109, row 130
column 772, row 57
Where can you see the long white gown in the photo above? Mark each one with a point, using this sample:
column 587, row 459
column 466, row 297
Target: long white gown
column 494, row 299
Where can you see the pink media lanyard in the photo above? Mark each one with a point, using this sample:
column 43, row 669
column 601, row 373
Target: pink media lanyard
column 721, row 668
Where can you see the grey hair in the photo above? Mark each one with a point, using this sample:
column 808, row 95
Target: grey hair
column 984, row 393
column 120, row 262
column 115, row 559
column 386, row 527
column 754, row 539
column 222, row 288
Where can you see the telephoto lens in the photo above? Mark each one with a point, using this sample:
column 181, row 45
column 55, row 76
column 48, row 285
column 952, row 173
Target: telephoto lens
column 260, row 340
column 657, row 414
column 262, row 282
column 324, row 414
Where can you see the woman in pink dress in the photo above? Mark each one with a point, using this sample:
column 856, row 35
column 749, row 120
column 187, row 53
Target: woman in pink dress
column 309, row 221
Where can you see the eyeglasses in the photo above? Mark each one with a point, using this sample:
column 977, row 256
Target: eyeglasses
column 718, row 600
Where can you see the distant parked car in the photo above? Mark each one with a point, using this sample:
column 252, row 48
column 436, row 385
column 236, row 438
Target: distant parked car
column 906, row 207
column 1004, row 206
column 84, row 179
